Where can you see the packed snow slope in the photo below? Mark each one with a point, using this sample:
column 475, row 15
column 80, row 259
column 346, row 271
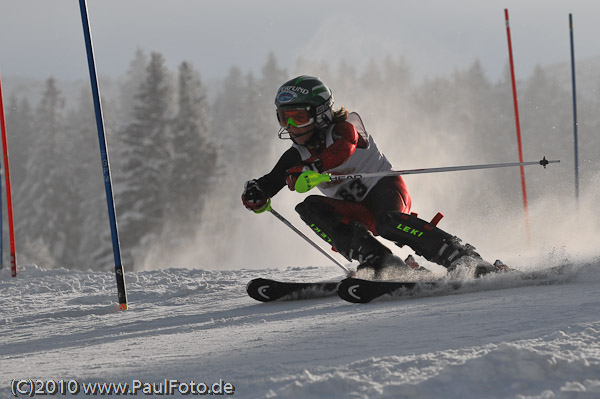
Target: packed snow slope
column 499, row 339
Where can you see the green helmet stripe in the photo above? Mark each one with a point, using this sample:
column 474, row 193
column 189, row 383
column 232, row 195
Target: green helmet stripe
column 307, row 91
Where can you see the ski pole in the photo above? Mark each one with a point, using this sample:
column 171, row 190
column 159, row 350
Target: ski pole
column 269, row 208
column 310, row 179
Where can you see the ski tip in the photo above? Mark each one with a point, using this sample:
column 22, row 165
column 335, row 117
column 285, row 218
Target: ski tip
column 260, row 289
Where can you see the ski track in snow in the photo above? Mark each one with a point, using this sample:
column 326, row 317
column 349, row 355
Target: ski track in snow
column 501, row 338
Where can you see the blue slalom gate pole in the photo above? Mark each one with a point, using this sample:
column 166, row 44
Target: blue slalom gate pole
column 574, row 109
column 104, row 157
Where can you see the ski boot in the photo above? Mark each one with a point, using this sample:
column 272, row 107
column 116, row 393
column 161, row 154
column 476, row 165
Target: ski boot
column 477, row 266
column 371, row 253
column 375, row 256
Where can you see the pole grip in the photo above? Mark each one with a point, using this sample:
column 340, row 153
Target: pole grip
column 310, row 179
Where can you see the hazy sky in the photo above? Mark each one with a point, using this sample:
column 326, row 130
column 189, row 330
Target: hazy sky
column 42, row 38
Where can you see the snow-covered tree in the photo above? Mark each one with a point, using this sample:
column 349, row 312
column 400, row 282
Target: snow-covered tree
column 19, row 118
column 140, row 196
column 50, row 191
column 93, row 247
column 193, row 157
column 130, row 85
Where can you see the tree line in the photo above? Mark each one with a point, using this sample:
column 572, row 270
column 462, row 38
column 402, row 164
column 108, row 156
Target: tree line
column 178, row 158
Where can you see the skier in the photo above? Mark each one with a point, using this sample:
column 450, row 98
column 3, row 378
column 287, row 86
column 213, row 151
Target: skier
column 351, row 212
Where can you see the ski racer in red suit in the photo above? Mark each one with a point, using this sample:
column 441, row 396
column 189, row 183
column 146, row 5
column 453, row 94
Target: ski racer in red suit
column 351, row 212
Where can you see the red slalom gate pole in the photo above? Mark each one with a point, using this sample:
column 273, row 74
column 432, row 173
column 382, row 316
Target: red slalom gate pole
column 11, row 228
column 514, row 89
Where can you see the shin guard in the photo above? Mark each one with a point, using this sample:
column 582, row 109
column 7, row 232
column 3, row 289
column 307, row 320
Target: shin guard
column 424, row 238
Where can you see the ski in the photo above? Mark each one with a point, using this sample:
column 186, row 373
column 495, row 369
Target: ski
column 358, row 290
column 267, row 290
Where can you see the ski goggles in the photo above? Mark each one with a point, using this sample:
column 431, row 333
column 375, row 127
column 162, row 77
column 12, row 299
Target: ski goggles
column 296, row 117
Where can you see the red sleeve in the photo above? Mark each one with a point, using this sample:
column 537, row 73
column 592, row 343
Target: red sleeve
column 345, row 140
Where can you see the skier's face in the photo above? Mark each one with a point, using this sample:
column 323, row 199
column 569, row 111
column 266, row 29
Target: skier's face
column 301, row 135
column 298, row 121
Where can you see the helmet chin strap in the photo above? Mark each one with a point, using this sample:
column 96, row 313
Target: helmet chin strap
column 283, row 131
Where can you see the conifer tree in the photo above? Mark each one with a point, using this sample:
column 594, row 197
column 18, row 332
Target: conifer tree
column 141, row 194
column 90, row 239
column 194, row 155
column 19, row 117
column 130, row 85
column 50, row 192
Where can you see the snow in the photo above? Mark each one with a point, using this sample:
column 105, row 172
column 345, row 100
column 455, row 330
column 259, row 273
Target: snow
column 498, row 339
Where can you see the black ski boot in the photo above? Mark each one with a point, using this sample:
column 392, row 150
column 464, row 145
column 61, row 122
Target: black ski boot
column 454, row 256
column 371, row 253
